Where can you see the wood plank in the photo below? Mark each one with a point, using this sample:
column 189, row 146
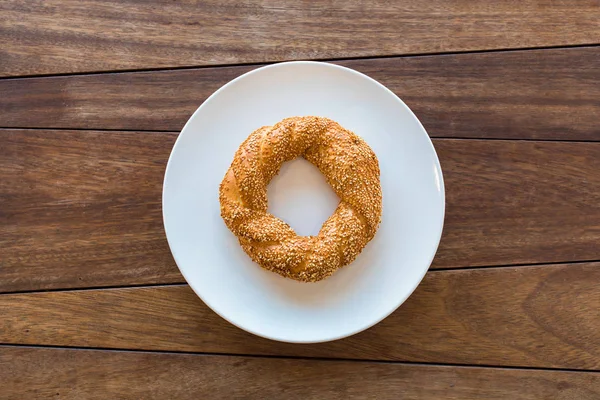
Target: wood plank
column 64, row 36
column 514, row 316
column 511, row 202
column 546, row 94
column 82, row 208
column 77, row 374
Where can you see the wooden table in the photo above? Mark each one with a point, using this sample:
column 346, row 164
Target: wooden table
column 92, row 96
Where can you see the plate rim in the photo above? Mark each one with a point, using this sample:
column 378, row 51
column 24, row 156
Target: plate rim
column 438, row 168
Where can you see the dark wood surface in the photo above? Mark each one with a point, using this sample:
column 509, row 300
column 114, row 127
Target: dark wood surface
column 539, row 94
column 92, row 96
column 77, row 374
column 82, row 209
column 538, row 316
column 109, row 231
column 64, row 36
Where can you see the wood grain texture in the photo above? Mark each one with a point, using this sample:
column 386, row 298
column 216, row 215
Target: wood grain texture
column 77, row 374
column 514, row 316
column 545, row 94
column 82, row 208
column 62, row 36
column 511, row 202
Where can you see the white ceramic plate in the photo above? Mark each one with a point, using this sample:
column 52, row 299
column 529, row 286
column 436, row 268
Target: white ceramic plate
column 357, row 296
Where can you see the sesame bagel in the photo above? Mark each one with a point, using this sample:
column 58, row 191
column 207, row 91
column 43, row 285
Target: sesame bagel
column 350, row 167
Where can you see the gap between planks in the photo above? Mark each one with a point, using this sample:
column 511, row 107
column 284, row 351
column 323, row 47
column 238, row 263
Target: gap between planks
column 150, row 131
column 336, row 59
column 267, row 356
column 184, row 283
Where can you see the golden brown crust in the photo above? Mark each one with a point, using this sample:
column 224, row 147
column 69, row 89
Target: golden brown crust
column 350, row 167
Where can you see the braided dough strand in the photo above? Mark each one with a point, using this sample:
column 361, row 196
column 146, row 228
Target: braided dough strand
column 350, row 167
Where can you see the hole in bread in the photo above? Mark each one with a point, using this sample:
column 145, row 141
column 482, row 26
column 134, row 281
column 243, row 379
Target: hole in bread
column 301, row 196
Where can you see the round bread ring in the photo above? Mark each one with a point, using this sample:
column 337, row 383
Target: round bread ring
column 350, row 167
